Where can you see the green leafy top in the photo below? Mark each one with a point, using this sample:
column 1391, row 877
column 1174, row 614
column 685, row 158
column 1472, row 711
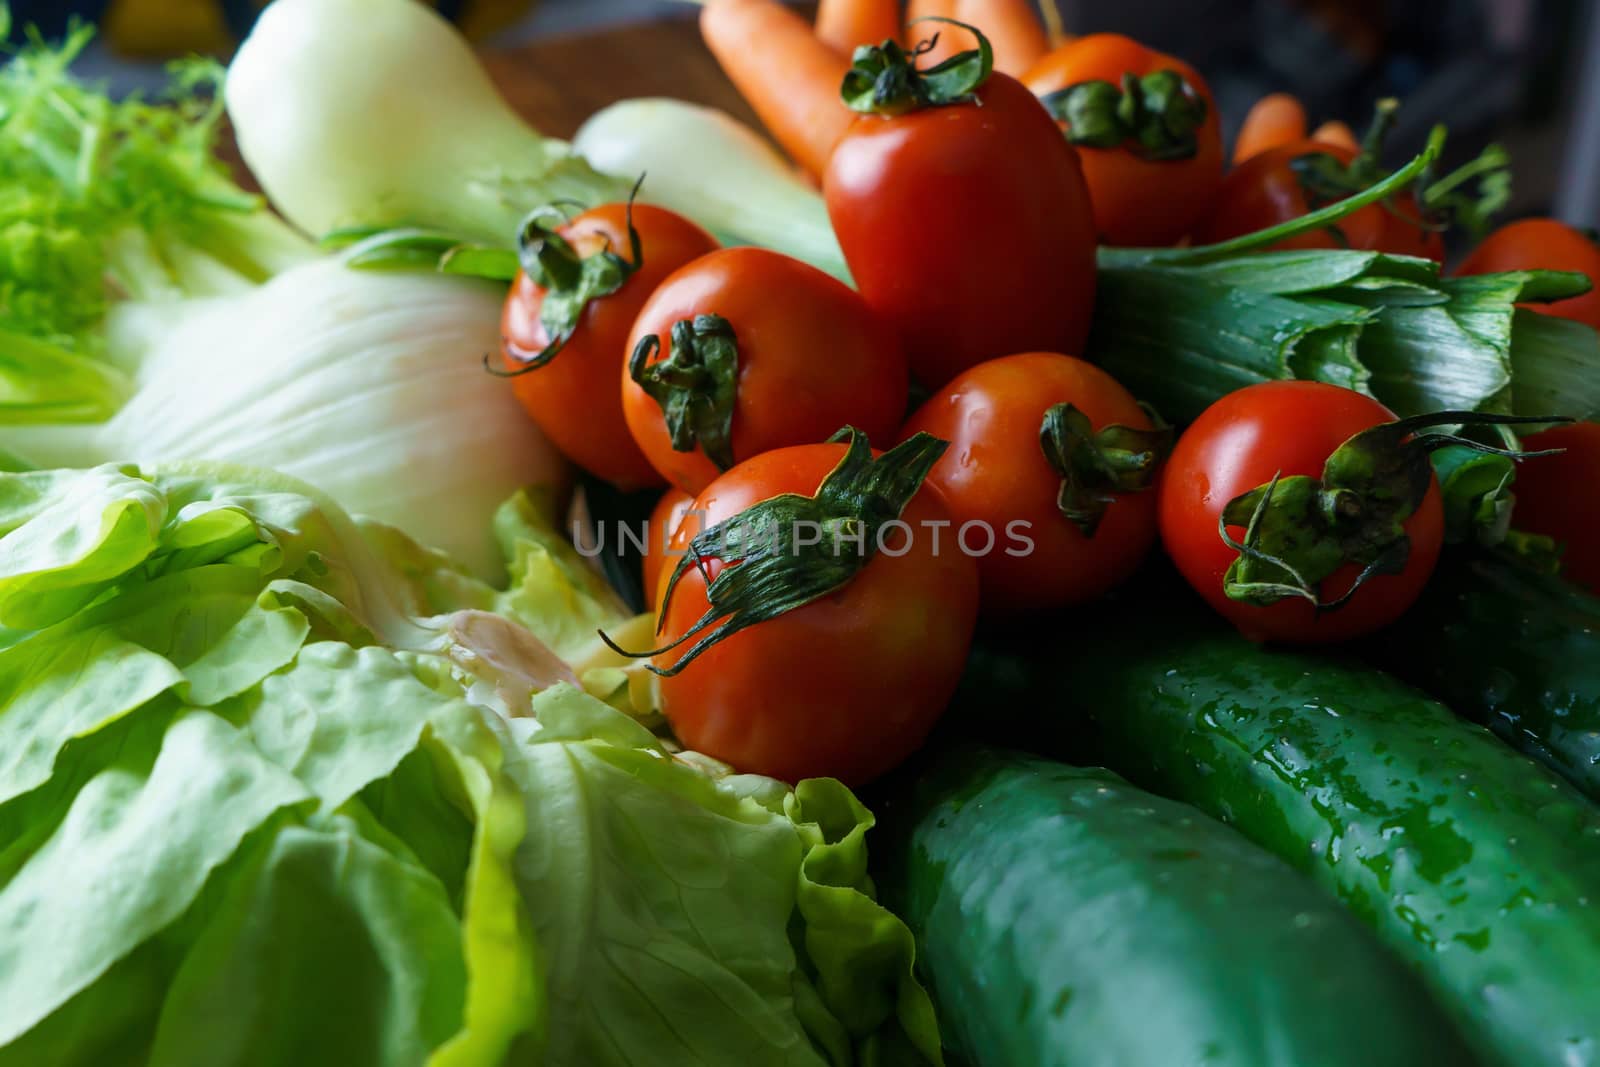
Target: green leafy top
column 102, row 199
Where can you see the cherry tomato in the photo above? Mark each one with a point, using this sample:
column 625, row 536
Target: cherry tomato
column 1543, row 244
column 967, row 226
column 1559, row 496
column 1241, row 442
column 665, row 519
column 812, row 358
column 574, row 398
column 1140, row 198
column 996, row 475
column 1265, row 190
column 846, row 686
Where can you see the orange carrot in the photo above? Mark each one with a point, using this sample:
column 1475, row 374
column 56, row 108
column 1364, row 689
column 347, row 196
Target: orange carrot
column 1275, row 119
column 1336, row 132
column 789, row 77
column 951, row 39
column 844, row 24
column 1013, row 28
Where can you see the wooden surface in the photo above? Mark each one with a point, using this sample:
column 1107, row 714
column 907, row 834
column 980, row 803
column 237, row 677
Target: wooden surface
column 558, row 82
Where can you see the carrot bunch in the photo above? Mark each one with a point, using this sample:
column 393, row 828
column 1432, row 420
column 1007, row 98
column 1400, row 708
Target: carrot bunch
column 790, row 70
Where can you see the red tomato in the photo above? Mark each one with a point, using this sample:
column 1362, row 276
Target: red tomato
column 1265, row 190
column 665, row 519
column 968, row 227
column 1543, row 244
column 848, row 685
column 995, row 474
column 812, row 358
column 1239, row 443
column 574, row 398
column 1559, row 496
column 1138, row 200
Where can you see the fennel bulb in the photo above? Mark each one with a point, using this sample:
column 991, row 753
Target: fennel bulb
column 151, row 310
column 707, row 165
column 376, row 114
column 356, row 113
column 368, row 385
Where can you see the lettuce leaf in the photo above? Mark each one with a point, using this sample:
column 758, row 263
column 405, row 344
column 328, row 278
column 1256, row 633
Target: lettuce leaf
column 280, row 785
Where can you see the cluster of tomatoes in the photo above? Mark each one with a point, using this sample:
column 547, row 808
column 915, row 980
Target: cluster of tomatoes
column 724, row 374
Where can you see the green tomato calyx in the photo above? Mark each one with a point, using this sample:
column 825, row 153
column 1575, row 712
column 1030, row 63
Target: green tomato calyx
column 1097, row 466
column 884, row 80
column 790, row 550
column 1299, row 530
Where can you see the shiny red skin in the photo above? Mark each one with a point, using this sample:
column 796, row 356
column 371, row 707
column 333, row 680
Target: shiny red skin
column 847, row 686
column 1265, row 191
column 1137, row 202
column 967, row 227
column 574, row 398
column 995, row 472
column 1240, row 442
column 813, row 358
column 1543, row 244
column 1559, row 496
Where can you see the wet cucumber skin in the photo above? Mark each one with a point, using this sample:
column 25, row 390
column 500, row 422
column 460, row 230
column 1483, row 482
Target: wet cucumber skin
column 1065, row 918
column 1469, row 859
column 1516, row 651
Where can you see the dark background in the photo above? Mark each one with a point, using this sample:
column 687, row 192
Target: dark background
column 1525, row 73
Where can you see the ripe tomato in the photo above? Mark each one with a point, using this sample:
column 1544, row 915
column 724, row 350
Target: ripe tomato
column 1543, row 244
column 812, row 358
column 1557, row 496
column 847, row 685
column 967, row 225
column 665, row 519
column 996, row 475
column 1148, row 186
column 574, row 397
column 1240, row 443
column 1266, row 190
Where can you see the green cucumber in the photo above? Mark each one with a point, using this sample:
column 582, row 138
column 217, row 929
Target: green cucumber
column 1470, row 860
column 1512, row 649
column 1064, row 917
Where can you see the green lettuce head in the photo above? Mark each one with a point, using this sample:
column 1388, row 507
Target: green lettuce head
column 278, row 786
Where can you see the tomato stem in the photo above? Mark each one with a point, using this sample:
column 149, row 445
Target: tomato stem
column 1096, row 466
column 884, row 78
column 696, row 385
column 790, row 550
column 1299, row 530
column 569, row 281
